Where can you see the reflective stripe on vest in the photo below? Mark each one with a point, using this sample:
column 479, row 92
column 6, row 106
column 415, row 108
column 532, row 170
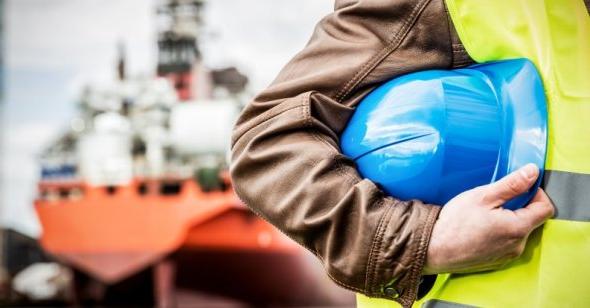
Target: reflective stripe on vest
column 554, row 270
column 570, row 192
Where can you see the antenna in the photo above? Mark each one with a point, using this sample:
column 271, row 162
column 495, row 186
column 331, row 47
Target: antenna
column 121, row 60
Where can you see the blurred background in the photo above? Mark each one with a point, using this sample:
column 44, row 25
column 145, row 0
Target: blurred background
column 115, row 119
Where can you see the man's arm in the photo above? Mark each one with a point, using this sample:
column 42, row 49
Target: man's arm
column 286, row 162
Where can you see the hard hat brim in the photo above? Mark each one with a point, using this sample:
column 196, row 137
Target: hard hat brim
column 521, row 96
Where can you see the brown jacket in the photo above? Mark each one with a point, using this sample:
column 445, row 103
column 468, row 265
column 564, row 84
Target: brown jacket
column 286, row 161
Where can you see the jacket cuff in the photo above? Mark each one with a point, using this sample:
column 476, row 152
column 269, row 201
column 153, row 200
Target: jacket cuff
column 395, row 264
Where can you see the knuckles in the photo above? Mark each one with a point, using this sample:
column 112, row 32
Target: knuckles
column 512, row 255
column 516, row 184
column 517, row 231
column 550, row 209
column 516, row 252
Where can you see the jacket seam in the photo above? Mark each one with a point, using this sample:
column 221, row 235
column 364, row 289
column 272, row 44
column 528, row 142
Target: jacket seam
column 314, row 251
column 359, row 75
column 391, row 46
column 417, row 263
column 459, row 56
column 419, row 256
column 264, row 120
column 306, row 114
column 379, row 240
column 370, row 263
column 406, row 299
column 450, row 31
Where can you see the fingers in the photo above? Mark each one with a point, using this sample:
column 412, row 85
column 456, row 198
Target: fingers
column 538, row 211
column 512, row 185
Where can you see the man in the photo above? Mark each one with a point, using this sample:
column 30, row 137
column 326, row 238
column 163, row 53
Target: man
column 287, row 166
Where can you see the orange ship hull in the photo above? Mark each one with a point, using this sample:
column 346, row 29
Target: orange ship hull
column 216, row 244
column 111, row 235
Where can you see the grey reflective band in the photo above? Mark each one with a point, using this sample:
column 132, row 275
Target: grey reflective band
column 570, row 193
column 437, row 303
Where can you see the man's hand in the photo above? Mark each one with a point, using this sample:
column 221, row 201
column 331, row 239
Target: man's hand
column 473, row 231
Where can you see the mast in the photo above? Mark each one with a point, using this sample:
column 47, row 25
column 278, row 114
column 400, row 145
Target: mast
column 121, row 67
column 178, row 51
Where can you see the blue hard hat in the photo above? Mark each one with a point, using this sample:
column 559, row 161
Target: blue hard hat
column 433, row 134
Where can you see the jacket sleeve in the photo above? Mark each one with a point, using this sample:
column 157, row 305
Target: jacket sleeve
column 286, row 162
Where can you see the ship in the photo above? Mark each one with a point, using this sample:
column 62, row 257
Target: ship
column 136, row 198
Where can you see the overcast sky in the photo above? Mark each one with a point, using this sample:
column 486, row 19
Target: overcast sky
column 53, row 47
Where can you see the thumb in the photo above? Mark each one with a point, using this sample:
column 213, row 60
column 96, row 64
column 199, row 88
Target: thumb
column 538, row 210
column 512, row 185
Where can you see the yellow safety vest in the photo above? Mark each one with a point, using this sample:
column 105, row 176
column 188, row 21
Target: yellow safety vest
column 554, row 270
